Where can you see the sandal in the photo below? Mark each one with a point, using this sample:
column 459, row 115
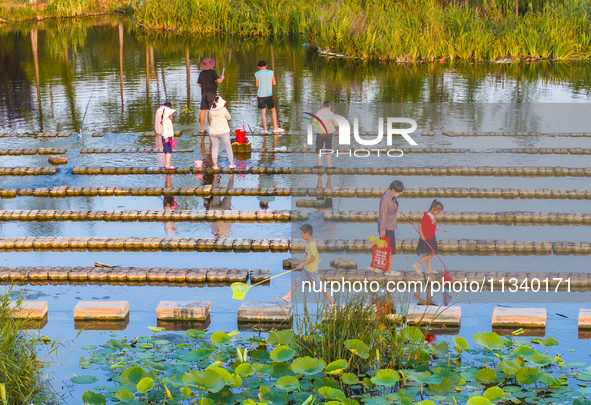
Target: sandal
column 215, row 166
column 169, row 168
column 232, row 167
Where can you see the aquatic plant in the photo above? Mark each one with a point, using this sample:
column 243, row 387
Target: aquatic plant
column 223, row 368
column 405, row 30
column 22, row 377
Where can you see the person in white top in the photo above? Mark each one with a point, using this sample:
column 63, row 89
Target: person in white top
column 168, row 136
column 219, row 130
column 158, row 123
column 324, row 140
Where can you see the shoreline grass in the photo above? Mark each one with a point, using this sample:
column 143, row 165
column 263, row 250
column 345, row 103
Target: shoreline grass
column 397, row 30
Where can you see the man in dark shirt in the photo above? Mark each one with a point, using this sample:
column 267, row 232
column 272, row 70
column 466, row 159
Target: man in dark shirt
column 208, row 81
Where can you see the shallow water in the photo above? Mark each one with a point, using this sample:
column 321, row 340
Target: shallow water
column 129, row 73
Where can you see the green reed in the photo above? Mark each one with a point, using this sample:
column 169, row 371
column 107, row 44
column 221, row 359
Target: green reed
column 21, row 370
column 403, row 30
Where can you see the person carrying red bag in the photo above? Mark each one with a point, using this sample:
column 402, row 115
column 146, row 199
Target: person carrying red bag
column 387, row 216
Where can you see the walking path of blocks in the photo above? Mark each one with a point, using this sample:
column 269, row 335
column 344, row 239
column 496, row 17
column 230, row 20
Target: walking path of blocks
column 280, row 312
column 344, row 192
column 499, row 171
column 151, row 215
column 33, row 151
column 471, row 218
column 484, row 247
column 215, row 276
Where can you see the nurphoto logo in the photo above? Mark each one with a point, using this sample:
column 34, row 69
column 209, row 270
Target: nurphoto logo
column 344, row 130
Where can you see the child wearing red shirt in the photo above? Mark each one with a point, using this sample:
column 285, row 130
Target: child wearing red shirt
column 427, row 228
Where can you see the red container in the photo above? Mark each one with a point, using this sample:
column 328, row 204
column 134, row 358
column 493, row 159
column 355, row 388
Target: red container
column 240, row 135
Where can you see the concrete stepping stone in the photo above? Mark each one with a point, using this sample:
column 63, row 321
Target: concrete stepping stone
column 29, row 309
column 265, row 312
column 183, row 310
column 101, row 310
column 519, row 317
column 431, row 314
column 584, row 318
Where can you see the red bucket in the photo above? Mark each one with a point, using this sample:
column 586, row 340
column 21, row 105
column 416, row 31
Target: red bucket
column 240, row 135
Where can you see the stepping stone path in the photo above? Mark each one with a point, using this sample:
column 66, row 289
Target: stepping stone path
column 183, row 310
column 265, row 312
column 101, row 310
column 29, row 309
column 519, row 317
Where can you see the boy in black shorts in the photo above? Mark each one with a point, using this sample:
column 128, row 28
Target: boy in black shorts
column 265, row 80
column 208, row 81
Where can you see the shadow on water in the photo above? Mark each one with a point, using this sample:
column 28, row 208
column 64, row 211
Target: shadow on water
column 48, row 70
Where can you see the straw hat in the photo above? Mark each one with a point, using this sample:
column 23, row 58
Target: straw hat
column 168, row 112
column 207, row 64
column 219, row 103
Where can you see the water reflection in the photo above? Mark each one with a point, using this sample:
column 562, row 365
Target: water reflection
column 135, row 71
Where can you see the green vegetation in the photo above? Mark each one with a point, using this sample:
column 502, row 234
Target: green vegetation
column 403, row 30
column 400, row 30
column 286, row 368
column 21, row 369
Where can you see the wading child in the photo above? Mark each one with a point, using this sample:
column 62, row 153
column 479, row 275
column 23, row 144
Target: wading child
column 427, row 229
column 167, row 136
column 219, row 131
column 309, row 266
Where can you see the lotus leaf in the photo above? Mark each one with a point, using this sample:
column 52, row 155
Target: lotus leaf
column 526, row 375
column 260, row 356
column 201, row 354
column 225, row 374
column 486, row 375
column 207, row 380
column 349, row 401
column 288, row 383
column 309, row 401
column 336, row 367
column 186, row 392
column 145, row 385
column 262, row 368
column 350, row 379
column 479, row 401
column 539, row 359
column 423, row 377
column 548, row 342
column 509, row 367
column 357, row 347
column 282, row 353
column 220, row 338
column 441, row 348
column 494, row 394
column 195, row 334
column 331, row 393
column 489, row 340
column 92, row 398
column 523, row 351
column 156, row 329
column 132, row 376
column 307, row 365
column 282, row 337
column 414, row 335
column 386, row 377
column 124, row 395
column 244, row 370
column 327, row 382
column 445, row 386
column 84, row 379
column 426, row 402
column 460, row 343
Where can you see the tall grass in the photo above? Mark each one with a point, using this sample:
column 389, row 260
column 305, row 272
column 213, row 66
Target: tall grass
column 323, row 333
column 21, row 370
column 403, row 30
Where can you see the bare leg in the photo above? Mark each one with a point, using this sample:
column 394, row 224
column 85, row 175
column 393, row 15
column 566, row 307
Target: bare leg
column 264, row 118
column 167, row 157
column 287, row 298
column 328, row 160
column 330, row 299
column 424, row 259
column 319, row 159
column 275, row 141
column 202, row 120
column 274, row 117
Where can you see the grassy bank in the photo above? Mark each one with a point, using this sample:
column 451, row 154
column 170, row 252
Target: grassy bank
column 400, row 30
column 403, row 30
column 25, row 10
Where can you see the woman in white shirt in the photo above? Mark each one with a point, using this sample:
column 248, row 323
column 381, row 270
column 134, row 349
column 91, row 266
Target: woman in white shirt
column 219, row 130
